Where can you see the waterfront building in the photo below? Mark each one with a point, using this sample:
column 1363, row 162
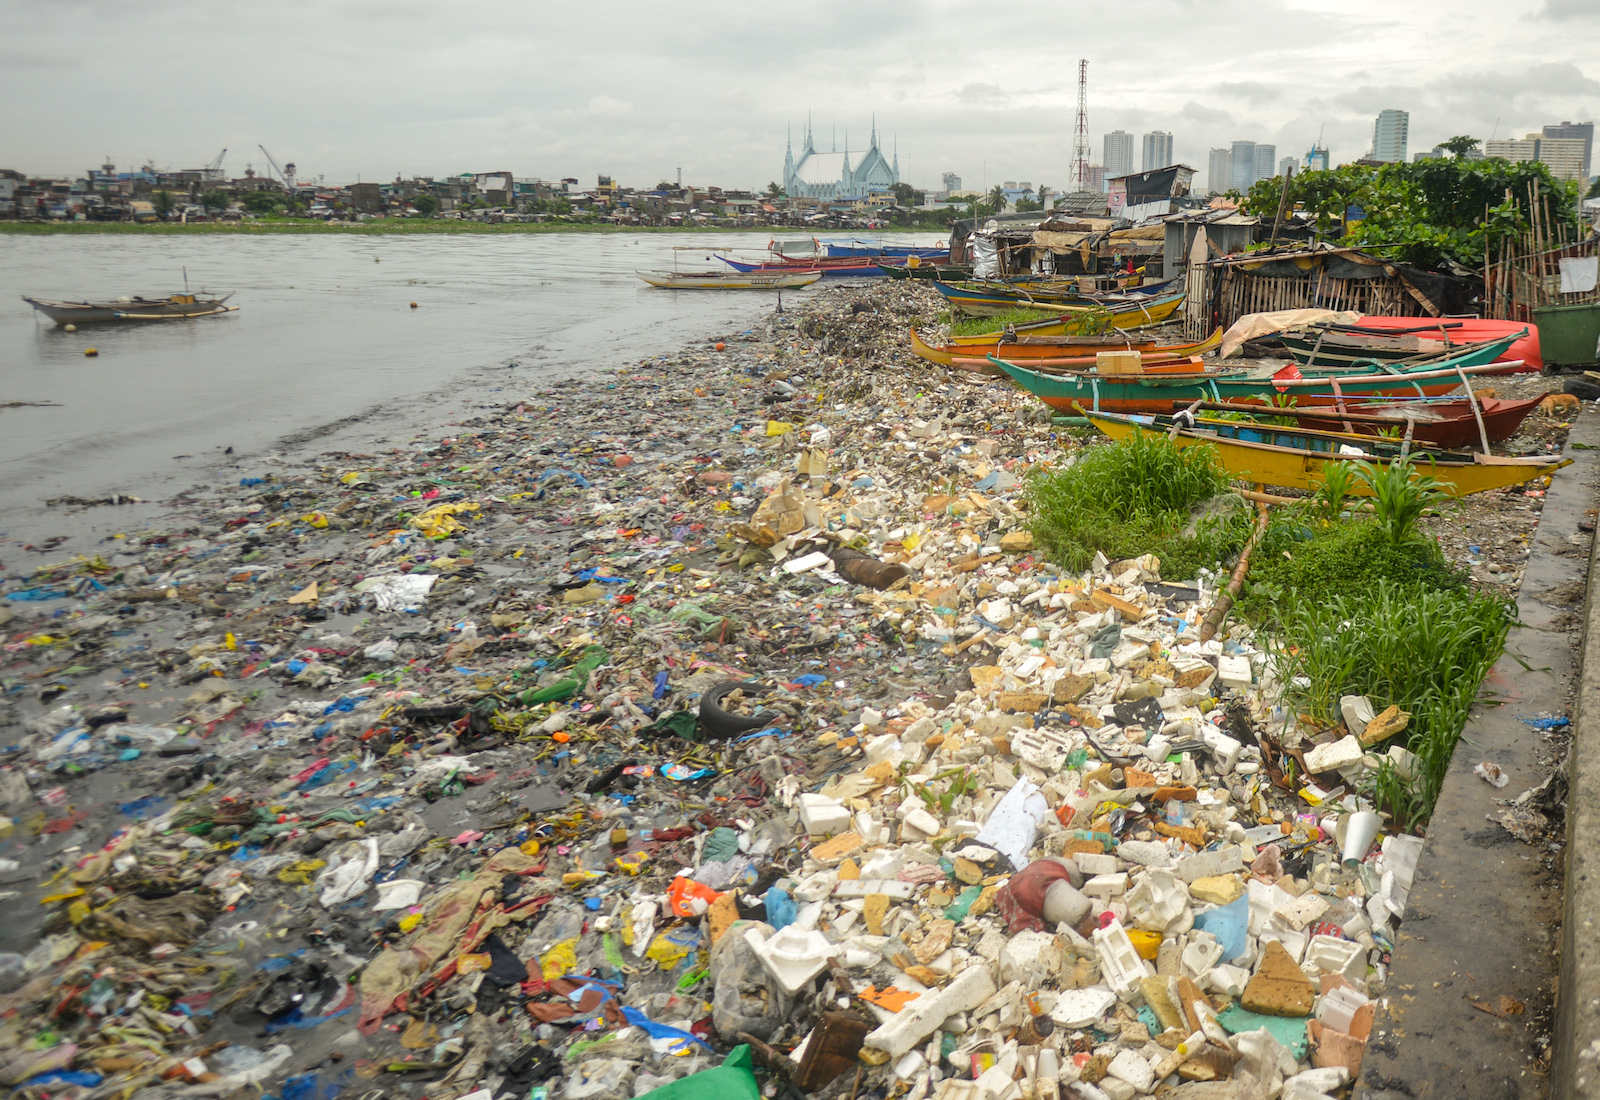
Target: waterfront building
column 1583, row 131
column 1564, row 155
column 833, row 175
column 1242, row 171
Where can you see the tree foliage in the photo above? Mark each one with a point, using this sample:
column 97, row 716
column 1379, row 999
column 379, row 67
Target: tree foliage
column 215, row 199
column 164, row 202
column 1427, row 212
column 425, row 203
column 262, row 202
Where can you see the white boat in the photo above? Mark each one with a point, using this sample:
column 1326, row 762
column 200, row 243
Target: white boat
column 729, row 280
column 177, row 307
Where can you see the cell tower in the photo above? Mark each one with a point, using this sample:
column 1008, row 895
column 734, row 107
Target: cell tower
column 1080, row 131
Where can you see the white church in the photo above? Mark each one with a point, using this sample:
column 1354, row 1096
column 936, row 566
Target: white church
column 830, row 176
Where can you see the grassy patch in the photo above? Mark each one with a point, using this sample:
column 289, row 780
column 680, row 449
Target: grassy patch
column 1426, row 651
column 977, row 326
column 1304, row 558
column 1135, row 497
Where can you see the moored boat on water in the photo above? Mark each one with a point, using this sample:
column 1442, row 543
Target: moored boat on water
column 850, row 267
column 729, row 280
column 175, row 307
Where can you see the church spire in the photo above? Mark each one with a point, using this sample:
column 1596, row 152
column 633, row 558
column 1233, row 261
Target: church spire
column 874, row 142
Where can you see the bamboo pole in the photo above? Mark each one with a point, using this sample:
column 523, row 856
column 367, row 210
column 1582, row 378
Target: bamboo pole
column 1219, row 610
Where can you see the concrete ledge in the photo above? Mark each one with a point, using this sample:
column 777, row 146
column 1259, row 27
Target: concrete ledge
column 1577, row 1064
column 1480, row 921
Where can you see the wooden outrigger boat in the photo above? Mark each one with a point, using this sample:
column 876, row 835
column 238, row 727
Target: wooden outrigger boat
column 1073, row 319
column 941, row 273
column 1159, row 393
column 729, row 280
column 1054, row 352
column 988, row 299
column 176, row 307
column 1447, row 423
column 859, row 267
column 1299, row 460
column 1350, row 345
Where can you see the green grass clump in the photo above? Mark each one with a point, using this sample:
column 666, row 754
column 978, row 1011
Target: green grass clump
column 1134, row 497
column 977, row 326
column 1303, row 558
column 1426, row 651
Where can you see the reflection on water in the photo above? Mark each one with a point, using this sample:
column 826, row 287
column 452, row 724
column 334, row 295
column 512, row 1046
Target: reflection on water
column 325, row 331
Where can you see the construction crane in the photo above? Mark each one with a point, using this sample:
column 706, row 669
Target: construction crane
column 287, row 178
column 213, row 171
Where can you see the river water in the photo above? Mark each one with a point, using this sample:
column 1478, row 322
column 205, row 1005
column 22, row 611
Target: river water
column 324, row 335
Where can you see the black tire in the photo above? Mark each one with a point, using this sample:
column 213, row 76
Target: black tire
column 718, row 723
column 1581, row 388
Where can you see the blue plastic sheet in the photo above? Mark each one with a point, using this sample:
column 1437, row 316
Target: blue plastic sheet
column 37, row 594
column 662, row 1031
column 781, row 908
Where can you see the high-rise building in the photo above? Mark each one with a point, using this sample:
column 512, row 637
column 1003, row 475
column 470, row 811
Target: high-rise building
column 1157, row 151
column 1584, row 131
column 1096, row 177
column 1243, row 171
column 1317, row 159
column 1564, row 155
column 1390, row 131
column 951, row 181
column 1218, row 168
column 1118, row 154
column 1266, row 161
column 1286, row 165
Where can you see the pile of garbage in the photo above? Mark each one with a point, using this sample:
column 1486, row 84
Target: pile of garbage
column 708, row 729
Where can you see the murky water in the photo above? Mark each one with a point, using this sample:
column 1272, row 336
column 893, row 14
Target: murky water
column 324, row 332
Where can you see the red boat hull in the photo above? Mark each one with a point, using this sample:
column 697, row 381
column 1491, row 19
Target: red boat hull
column 1474, row 330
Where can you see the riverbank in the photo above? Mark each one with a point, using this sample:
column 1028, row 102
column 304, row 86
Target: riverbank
column 466, row 660
column 377, row 227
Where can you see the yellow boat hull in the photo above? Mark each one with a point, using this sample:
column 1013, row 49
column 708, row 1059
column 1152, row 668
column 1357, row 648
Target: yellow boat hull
column 1291, row 468
column 1072, row 325
column 946, row 356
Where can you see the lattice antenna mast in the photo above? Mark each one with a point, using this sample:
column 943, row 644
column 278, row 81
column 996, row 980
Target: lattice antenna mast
column 1080, row 131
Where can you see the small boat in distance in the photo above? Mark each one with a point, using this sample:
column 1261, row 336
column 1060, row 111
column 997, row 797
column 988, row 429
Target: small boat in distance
column 176, row 307
column 729, row 280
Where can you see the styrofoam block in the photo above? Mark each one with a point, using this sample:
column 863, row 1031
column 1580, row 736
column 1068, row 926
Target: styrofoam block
column 1331, row 757
column 1336, row 956
column 1234, row 672
column 822, row 815
column 861, row 887
column 793, row 956
column 1200, row 954
column 1210, row 864
column 1095, row 863
column 1107, row 886
column 1120, row 965
column 1082, row 1007
column 917, row 1020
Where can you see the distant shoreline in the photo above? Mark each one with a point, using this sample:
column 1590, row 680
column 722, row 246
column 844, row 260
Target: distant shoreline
column 372, row 228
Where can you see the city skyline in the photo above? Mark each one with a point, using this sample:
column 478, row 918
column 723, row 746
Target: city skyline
column 394, row 89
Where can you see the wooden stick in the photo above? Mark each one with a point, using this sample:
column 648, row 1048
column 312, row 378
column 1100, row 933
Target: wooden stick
column 1477, row 413
column 1219, row 610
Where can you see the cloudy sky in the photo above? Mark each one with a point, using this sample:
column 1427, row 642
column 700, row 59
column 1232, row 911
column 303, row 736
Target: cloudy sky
column 379, row 87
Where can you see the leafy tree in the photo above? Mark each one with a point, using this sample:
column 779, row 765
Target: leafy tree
column 774, row 192
column 425, row 204
column 164, row 202
column 1423, row 212
column 215, row 199
column 1594, row 190
column 997, row 198
column 263, row 202
column 1460, row 145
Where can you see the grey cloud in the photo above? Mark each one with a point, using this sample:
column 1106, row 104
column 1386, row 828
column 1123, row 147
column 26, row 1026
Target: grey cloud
column 982, row 95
